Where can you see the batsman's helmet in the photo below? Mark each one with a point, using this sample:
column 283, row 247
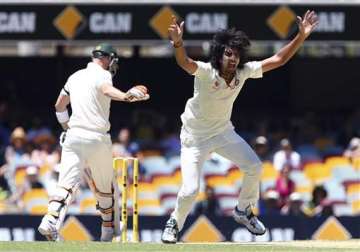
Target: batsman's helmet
column 106, row 50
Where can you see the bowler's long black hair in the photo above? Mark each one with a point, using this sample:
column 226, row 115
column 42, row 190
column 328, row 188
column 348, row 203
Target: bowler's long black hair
column 232, row 38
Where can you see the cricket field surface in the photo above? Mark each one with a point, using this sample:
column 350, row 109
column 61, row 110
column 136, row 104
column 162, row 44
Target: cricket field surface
column 308, row 246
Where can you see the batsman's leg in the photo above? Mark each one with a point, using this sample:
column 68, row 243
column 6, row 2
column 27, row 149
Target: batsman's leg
column 67, row 185
column 102, row 174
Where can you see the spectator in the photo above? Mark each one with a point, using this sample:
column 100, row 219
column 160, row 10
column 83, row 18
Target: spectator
column 294, row 206
column 32, row 178
column 284, row 185
column 16, row 155
column 31, row 182
column 18, row 144
column 44, row 153
column 261, row 148
column 286, row 155
column 320, row 205
column 123, row 146
column 353, row 150
column 326, row 208
column 37, row 130
column 319, row 193
column 270, row 204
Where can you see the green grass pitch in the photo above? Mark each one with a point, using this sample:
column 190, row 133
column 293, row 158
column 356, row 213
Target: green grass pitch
column 308, row 246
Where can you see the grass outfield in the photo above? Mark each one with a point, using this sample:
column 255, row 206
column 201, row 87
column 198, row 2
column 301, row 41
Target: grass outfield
column 309, row 246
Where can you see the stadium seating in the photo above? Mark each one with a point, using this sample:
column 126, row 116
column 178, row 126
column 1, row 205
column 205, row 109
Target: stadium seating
column 159, row 188
column 87, row 202
column 35, row 201
column 20, row 175
column 353, row 194
column 268, row 176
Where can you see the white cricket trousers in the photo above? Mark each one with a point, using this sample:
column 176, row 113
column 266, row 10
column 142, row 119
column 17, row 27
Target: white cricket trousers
column 193, row 155
column 91, row 149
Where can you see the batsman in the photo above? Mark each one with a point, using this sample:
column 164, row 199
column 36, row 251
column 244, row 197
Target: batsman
column 86, row 141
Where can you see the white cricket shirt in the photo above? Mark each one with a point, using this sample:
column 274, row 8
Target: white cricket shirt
column 208, row 112
column 90, row 107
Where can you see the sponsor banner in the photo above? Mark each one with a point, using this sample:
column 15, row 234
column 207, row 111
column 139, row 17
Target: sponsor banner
column 140, row 23
column 197, row 228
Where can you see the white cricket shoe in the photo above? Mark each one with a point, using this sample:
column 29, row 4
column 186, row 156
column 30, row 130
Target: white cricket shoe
column 171, row 231
column 249, row 220
column 48, row 229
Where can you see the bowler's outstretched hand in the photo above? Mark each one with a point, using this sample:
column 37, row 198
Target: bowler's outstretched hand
column 176, row 31
column 308, row 23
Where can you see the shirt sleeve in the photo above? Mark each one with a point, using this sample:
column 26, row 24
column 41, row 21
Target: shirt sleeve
column 203, row 70
column 66, row 89
column 253, row 70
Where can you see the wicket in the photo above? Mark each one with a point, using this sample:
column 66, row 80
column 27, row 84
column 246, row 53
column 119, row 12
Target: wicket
column 122, row 163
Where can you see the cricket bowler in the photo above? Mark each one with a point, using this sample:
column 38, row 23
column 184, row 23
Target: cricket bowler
column 206, row 120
